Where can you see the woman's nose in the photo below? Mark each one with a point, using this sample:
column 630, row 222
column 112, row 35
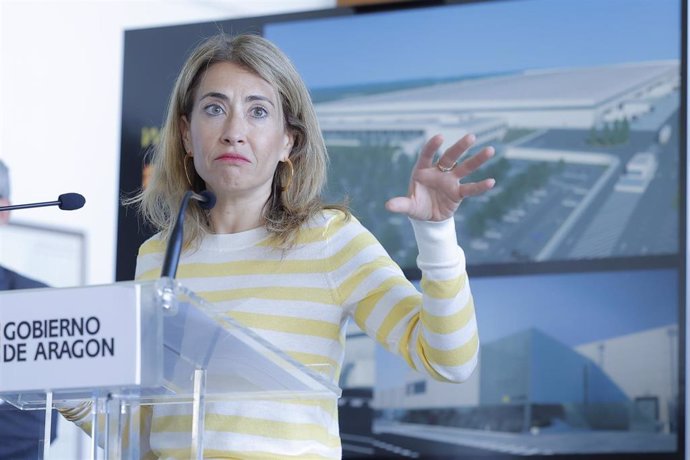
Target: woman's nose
column 235, row 130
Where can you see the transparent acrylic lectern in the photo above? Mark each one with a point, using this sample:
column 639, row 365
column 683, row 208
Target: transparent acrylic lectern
column 127, row 345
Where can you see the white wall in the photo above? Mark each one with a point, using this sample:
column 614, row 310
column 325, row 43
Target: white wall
column 60, row 98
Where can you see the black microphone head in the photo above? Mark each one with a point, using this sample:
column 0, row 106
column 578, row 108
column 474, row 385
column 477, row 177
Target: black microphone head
column 71, row 201
column 209, row 199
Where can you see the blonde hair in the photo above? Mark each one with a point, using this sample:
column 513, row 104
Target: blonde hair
column 285, row 211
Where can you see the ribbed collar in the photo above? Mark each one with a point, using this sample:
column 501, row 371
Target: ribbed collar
column 234, row 241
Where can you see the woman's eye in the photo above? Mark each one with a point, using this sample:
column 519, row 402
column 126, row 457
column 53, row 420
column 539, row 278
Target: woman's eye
column 213, row 109
column 259, row 112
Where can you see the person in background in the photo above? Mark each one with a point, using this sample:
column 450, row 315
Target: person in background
column 274, row 257
column 21, row 432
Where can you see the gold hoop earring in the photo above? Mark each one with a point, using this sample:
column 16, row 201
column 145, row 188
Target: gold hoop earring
column 186, row 173
column 285, row 187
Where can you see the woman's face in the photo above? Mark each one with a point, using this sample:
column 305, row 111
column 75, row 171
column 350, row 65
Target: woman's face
column 236, row 132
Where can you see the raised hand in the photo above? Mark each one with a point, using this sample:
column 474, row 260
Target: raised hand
column 435, row 190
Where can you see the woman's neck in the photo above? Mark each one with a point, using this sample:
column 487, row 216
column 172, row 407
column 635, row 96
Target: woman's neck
column 232, row 215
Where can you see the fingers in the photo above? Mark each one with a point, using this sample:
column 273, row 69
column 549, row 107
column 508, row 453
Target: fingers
column 451, row 155
column 474, row 188
column 473, row 163
column 435, row 189
column 430, row 148
column 400, row 204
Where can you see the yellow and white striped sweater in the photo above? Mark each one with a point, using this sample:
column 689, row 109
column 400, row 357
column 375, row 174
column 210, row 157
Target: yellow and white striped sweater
column 300, row 301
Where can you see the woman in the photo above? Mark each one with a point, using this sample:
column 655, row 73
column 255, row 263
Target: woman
column 271, row 255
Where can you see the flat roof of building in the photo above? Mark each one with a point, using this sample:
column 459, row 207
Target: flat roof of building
column 550, row 88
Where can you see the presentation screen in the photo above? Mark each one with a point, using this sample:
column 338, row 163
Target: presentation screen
column 576, row 257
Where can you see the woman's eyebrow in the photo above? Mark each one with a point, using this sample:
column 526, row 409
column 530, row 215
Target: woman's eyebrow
column 257, row 97
column 216, row 95
column 250, row 98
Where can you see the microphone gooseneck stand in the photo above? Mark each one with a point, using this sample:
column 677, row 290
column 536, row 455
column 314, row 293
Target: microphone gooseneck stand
column 206, row 200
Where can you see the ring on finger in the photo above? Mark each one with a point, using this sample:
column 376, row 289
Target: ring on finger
column 445, row 169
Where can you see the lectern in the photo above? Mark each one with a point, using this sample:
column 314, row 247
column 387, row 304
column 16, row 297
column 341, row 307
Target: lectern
column 126, row 345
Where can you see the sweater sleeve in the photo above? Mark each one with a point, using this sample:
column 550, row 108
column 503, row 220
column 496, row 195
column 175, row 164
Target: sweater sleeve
column 435, row 331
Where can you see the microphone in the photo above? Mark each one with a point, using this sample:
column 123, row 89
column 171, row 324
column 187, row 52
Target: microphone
column 66, row 202
column 206, row 200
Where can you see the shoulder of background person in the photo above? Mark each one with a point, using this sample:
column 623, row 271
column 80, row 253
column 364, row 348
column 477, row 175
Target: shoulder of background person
column 10, row 280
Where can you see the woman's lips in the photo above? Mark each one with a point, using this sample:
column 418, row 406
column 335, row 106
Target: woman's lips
column 232, row 158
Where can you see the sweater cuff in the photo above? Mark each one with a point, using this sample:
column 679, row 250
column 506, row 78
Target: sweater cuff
column 437, row 243
column 74, row 412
